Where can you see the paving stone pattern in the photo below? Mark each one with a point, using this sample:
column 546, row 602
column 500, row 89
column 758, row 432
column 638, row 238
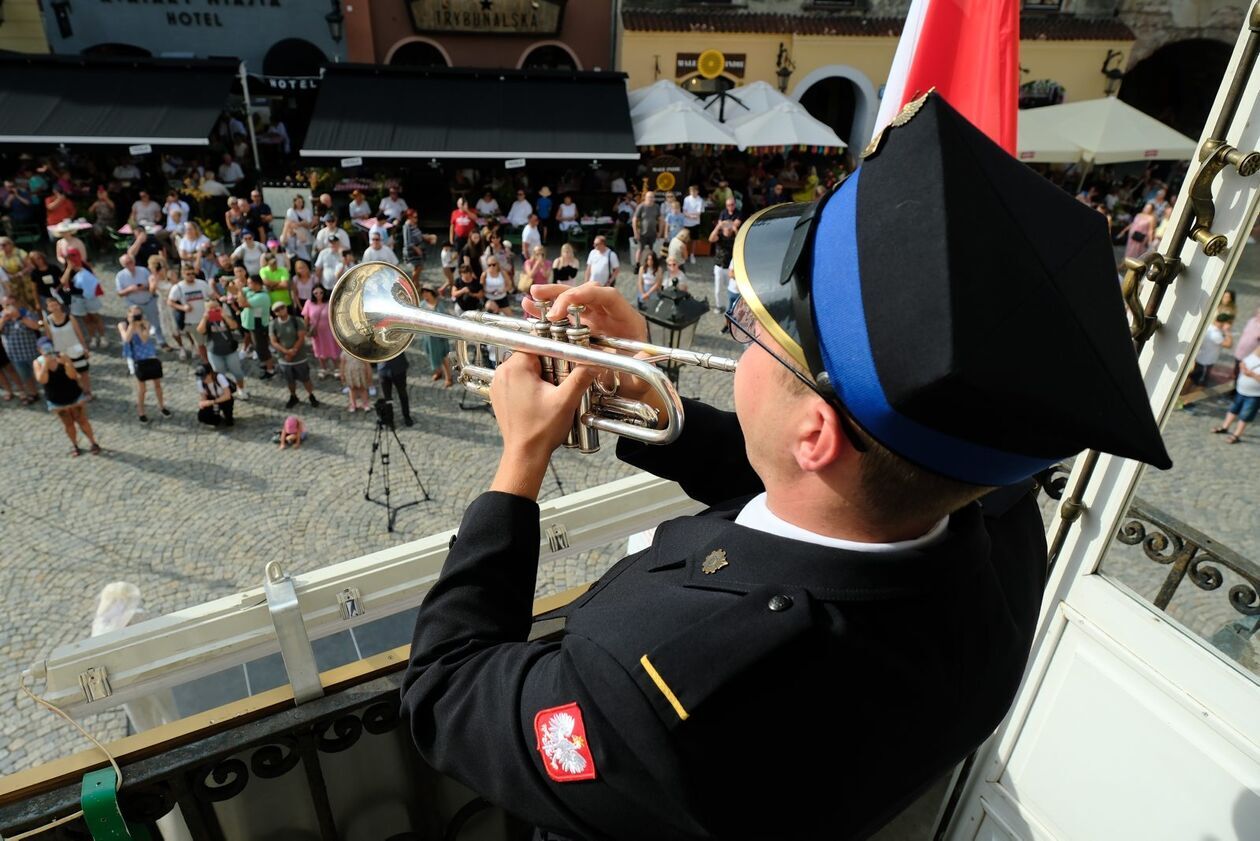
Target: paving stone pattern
column 189, row 513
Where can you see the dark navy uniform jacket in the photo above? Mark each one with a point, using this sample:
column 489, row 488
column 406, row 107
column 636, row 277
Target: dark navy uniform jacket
column 799, row 691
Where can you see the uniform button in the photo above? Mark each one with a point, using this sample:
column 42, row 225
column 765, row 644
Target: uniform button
column 778, row 603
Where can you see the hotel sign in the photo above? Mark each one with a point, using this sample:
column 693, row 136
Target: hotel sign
column 487, row 17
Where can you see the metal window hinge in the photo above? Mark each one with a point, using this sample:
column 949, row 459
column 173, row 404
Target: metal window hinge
column 350, row 602
column 95, row 683
column 557, row 537
column 295, row 645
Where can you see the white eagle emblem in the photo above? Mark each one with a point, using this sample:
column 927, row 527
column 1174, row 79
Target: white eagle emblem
column 560, row 746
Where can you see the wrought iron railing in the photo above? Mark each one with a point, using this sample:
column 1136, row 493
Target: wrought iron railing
column 215, row 769
column 1186, row 551
column 1189, row 553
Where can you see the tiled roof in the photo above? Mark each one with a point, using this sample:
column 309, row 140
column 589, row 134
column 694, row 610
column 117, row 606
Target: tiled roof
column 1050, row 27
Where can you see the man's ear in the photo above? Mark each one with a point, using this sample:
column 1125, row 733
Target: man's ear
column 822, row 441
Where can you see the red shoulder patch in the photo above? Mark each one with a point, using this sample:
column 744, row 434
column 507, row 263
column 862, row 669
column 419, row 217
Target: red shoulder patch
column 562, row 743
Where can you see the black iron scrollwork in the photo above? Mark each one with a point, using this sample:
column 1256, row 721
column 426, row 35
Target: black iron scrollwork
column 147, row 804
column 381, row 718
column 345, row 732
column 229, row 777
column 1155, row 545
column 1190, row 555
column 276, row 759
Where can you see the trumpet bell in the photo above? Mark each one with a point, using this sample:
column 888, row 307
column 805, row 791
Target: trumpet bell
column 364, row 308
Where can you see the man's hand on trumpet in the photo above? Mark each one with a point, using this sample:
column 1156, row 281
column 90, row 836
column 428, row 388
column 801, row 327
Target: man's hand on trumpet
column 534, row 417
column 607, row 312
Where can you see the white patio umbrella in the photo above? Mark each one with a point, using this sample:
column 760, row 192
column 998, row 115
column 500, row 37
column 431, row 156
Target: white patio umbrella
column 1039, row 142
column 680, row 123
column 654, row 97
column 786, row 124
column 747, row 101
column 1106, row 130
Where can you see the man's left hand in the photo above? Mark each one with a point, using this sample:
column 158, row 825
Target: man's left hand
column 534, row 418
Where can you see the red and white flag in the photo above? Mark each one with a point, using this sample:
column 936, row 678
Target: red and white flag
column 969, row 51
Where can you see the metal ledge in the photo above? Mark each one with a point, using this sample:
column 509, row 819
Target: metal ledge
column 191, row 643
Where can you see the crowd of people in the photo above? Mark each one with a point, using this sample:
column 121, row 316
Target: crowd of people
column 253, row 303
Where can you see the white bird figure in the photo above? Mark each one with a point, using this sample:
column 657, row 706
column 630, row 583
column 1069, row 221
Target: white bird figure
column 560, row 746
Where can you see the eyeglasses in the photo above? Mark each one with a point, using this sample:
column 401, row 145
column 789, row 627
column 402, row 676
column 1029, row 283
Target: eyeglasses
column 745, row 329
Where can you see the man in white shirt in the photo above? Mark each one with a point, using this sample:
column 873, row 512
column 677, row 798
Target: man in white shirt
column 393, row 205
column 249, row 252
column 692, row 207
column 174, row 222
column 329, row 233
column 488, row 206
column 127, row 171
column 189, row 297
column 602, row 263
column 211, row 187
column 1219, row 335
column 519, row 213
column 230, row 171
column 173, row 201
column 330, row 263
column 132, row 283
column 145, row 211
column 530, row 236
column 378, row 250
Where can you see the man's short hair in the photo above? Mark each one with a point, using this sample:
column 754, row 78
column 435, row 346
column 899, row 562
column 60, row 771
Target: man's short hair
column 893, row 488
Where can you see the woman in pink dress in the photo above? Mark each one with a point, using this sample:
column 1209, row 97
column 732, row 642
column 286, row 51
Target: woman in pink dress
column 1141, row 232
column 315, row 312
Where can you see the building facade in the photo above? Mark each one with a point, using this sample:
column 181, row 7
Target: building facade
column 273, row 37
column 555, row 34
column 833, row 56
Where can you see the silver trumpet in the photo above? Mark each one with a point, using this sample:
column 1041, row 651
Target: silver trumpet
column 375, row 314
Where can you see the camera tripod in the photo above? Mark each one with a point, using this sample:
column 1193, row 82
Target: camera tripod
column 380, row 453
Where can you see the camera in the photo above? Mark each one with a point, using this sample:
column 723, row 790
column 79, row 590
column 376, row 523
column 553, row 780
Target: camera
column 137, row 317
column 384, row 413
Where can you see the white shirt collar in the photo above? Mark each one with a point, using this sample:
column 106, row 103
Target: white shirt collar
column 757, row 515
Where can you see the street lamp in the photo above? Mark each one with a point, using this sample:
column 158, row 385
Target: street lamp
column 672, row 318
column 785, row 66
column 1114, row 74
column 336, row 22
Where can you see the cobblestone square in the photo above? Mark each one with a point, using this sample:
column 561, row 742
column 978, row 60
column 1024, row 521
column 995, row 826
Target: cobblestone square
column 188, row 513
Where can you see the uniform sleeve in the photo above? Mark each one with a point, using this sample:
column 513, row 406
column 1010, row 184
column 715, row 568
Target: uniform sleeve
column 708, row 459
column 475, row 692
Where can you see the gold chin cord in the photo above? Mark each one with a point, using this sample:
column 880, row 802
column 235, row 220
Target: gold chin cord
column 375, row 315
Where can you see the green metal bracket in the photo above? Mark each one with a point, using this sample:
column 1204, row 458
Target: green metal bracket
column 99, row 799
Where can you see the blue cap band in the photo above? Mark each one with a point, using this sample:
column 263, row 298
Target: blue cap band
column 840, row 319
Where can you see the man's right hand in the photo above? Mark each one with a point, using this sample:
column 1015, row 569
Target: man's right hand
column 607, row 312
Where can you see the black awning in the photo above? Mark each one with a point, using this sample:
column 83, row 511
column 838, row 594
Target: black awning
column 385, row 112
column 53, row 99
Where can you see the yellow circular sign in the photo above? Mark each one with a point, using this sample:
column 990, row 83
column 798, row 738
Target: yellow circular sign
column 711, row 63
column 665, row 181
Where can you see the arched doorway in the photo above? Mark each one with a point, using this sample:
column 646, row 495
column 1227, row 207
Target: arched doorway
column 293, row 57
column 1170, row 83
column 419, row 54
column 118, row 50
column 843, row 98
column 548, row 57
column 833, row 102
